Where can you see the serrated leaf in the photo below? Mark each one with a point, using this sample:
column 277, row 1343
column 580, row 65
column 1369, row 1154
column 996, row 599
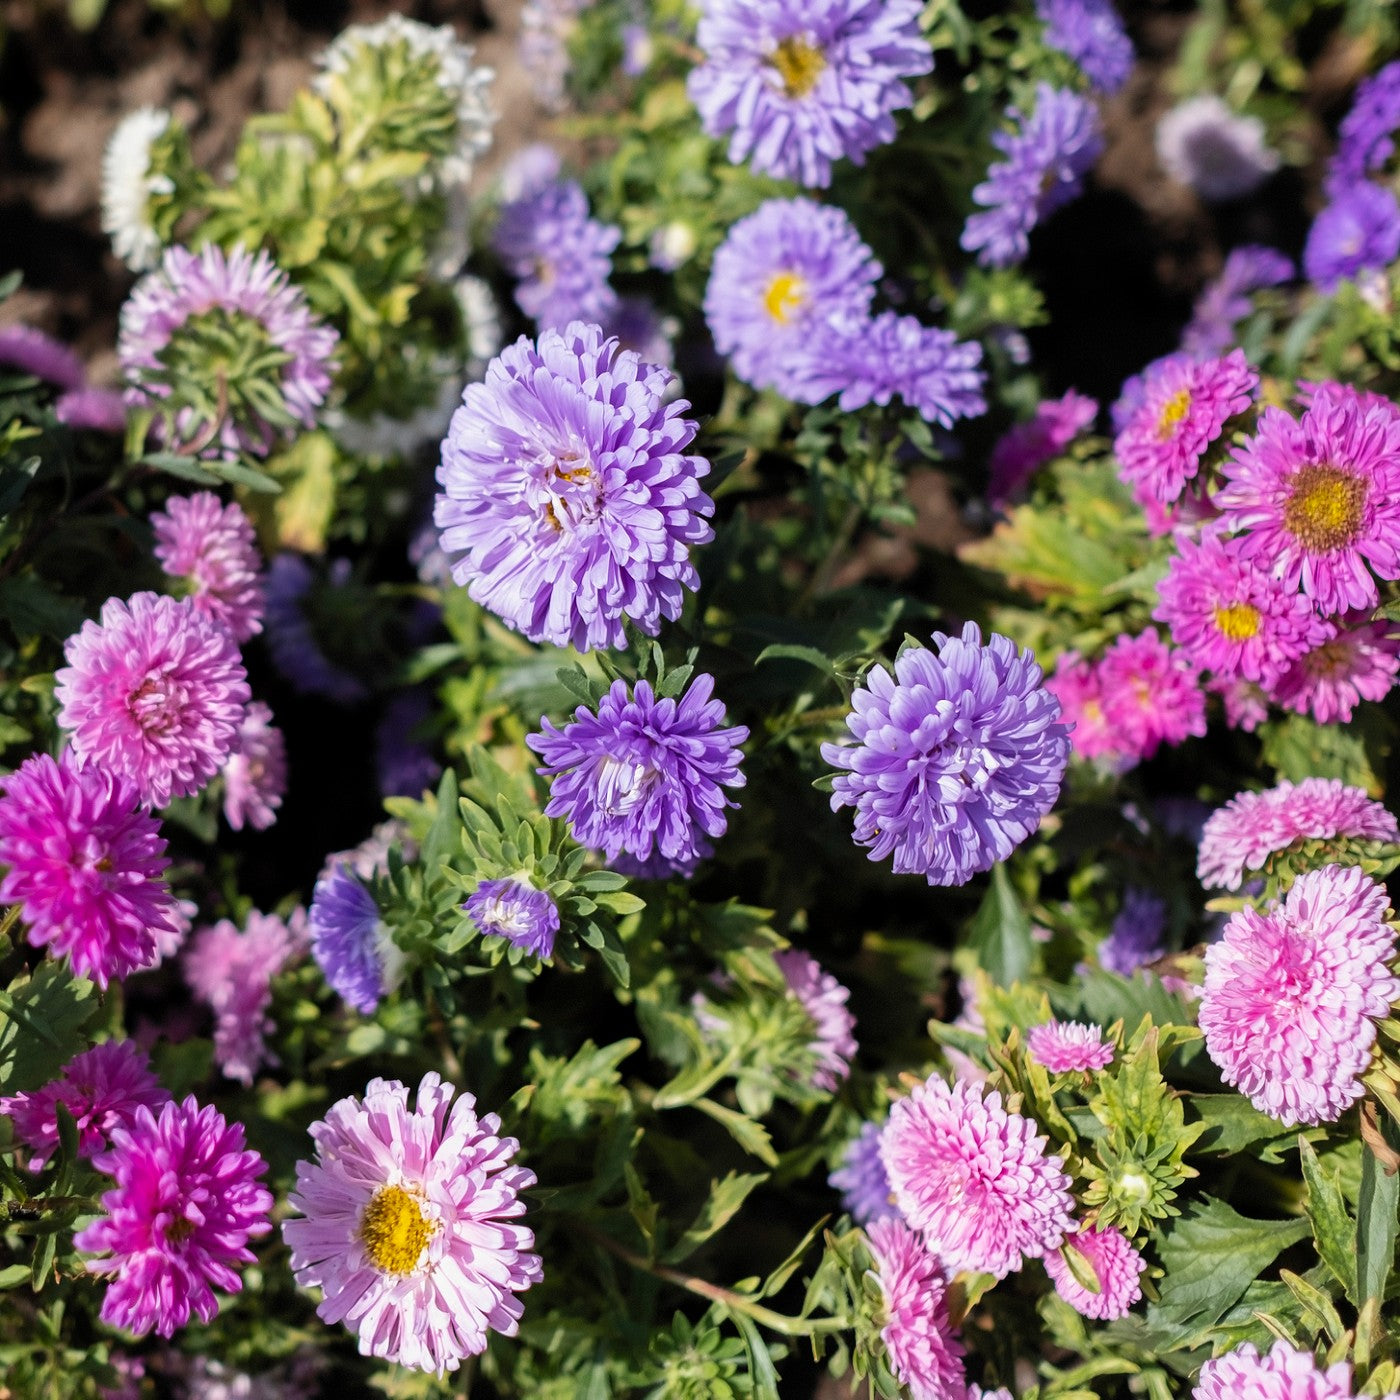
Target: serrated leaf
column 1332, row 1227
column 1377, row 1209
column 750, row 1134
column 40, row 1017
column 726, row 1198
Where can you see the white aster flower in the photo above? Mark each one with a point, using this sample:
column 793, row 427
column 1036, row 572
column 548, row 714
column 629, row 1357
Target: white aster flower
column 1220, row 153
column 481, row 321
column 128, row 184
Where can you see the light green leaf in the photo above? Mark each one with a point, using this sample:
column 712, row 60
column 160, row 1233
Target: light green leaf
column 721, row 1206
column 1331, row 1225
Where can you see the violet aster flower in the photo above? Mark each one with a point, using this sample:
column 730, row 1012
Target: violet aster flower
column 1114, row 1263
column 86, row 866
column 1092, row 34
column 1220, row 153
column 1286, row 1373
column 1225, row 301
column 231, row 971
column 292, row 644
column 1292, row 997
column 861, row 1179
column 778, row 278
column 1359, row 231
column 1138, row 933
column 568, row 502
column 516, row 911
column 1151, row 694
column 210, row 547
column 102, row 1088
column 1047, row 155
column 236, row 297
column 824, row 999
column 255, row 772
column 923, row 1349
column 800, row 85
column 643, row 772
column 34, row 353
column 185, row 1205
column 955, row 759
column 348, row 940
column 1359, row 663
column 1022, row 450
column 95, row 410
column 410, row 1225
column 1069, row 1047
column 640, row 327
column 974, row 1179
column 1365, row 139
column 153, row 693
column 404, row 764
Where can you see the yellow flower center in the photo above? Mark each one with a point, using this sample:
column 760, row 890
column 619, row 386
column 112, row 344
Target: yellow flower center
column 1238, row 621
column 394, row 1230
column 1324, row 508
column 785, row 295
column 799, row 65
column 1173, row 411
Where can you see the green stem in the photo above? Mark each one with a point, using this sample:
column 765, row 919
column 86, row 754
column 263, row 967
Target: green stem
column 822, row 575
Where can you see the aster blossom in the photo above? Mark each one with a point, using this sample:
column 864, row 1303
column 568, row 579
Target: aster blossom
column 1151, row 694
column 861, row 1179
column 953, row 760
column 130, row 182
column 1138, row 933
column 1066, row 1047
column 86, row 866
column 824, row 999
column 1292, row 996
column 1078, row 686
column 185, row 1205
column 1226, row 300
column 255, row 772
column 1023, row 449
column 644, row 773
column 569, row 504
column 295, row 650
column 1220, row 153
column 1358, row 231
column 349, row 941
column 1358, row 661
column 409, row 1225
column 32, row 352
column 1286, row 1373
column 800, row 85
column 1365, row 139
column 515, row 910
column 1108, row 1255
column 1092, row 34
column 211, row 548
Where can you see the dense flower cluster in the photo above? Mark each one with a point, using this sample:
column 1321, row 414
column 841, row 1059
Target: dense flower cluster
column 824, row 999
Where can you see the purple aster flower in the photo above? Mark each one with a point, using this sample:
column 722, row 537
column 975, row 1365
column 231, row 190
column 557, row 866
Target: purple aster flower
column 779, row 276
column 1022, row 450
column 1364, row 141
column 861, row 1179
column 1138, row 935
column 349, row 941
column 255, row 772
column 1115, row 1265
column 545, row 29
column 1360, row 662
column 1292, row 996
column 562, row 254
column 643, row 773
column 34, row 353
column 824, row 999
column 185, row 1205
column 515, row 910
column 1092, row 34
column 955, row 759
column 1358, row 231
column 295, row 652
column 404, row 764
column 1225, row 301
column 802, row 83
column 1069, row 1047
column 569, row 504
column 528, row 171
column 1286, row 1373
column 1220, row 153
column 96, row 410
column 1047, row 155
column 637, row 325
column 193, row 297
column 211, row 548
column 154, row 693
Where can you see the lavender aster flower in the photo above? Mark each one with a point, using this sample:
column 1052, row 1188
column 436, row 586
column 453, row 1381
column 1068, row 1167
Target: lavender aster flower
column 1357, row 232
column 515, row 910
column 1047, row 157
column 1137, row 935
column 1225, row 301
column 861, row 1179
column 295, row 651
column 1365, row 141
column 956, row 758
column 32, row 352
column 1286, row 1373
column 824, row 999
column 568, row 502
column 349, row 941
column 801, row 83
column 1219, row 153
column 643, row 773
column 1091, row 33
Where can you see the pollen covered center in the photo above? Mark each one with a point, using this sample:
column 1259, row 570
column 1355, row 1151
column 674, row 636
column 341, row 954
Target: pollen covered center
column 1173, row 411
column 784, row 297
column 1324, row 509
column 156, row 704
column 799, row 65
column 394, row 1230
column 1238, row 621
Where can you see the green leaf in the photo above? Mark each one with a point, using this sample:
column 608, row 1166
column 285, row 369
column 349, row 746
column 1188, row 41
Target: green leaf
column 40, row 1017
column 242, row 475
column 41, row 1266
column 1232, row 1124
column 1000, row 932
column 782, row 651
column 721, row 1206
column 1377, row 1207
column 1297, row 748
column 14, row 482
column 1331, row 1225
column 12, row 1275
column 441, row 842
column 751, row 1135
column 186, row 468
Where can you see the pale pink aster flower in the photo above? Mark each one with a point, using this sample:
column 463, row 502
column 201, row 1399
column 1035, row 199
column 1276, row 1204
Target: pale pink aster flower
column 408, row 1227
column 255, row 772
column 1286, row 1373
column 153, row 693
column 231, row 971
column 211, row 548
column 1076, row 684
column 1065, row 1047
column 1022, row 450
column 1185, row 406
column 1112, row 1260
column 1151, row 694
column 974, row 1179
column 102, row 1088
column 1292, row 997
column 824, row 999
column 1246, row 706
column 1359, row 662
column 924, row 1351
column 99, row 410
column 185, row 1205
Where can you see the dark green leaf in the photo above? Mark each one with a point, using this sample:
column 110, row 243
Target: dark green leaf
column 721, row 1206
column 752, row 1136
column 1331, row 1225
column 1377, row 1207
column 14, row 482
column 441, row 842
column 186, row 468
column 1000, row 933
column 782, row 651
column 40, row 1017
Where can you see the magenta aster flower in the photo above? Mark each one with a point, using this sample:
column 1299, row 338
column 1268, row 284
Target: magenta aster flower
column 1317, row 499
column 99, row 410
column 924, row 1351
column 409, row 1226
column 86, row 866
column 1359, row 662
column 1246, row 706
column 824, row 999
column 974, row 1179
column 210, row 547
column 1065, row 1047
column 1021, row 451
column 955, row 759
column 516, row 911
column 1077, row 685
column 1151, row 694
column 1185, row 407
column 643, row 772
column 32, row 352
column 1112, row 1260
column 255, row 772
column 185, row 1205
column 102, row 1088
column 568, row 503
column 1292, row 997
column 802, row 83
column 861, row 1179
column 1286, row 1373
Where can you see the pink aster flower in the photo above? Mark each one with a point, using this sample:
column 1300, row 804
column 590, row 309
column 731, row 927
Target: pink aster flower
column 409, row 1225
column 231, row 971
column 1317, row 499
column 1292, row 997
column 1022, row 450
column 924, row 1351
column 1231, row 618
column 1076, row 684
column 974, row 1179
column 255, row 772
column 1358, row 663
column 98, row 410
column 1185, row 407
column 102, row 1088
column 824, row 999
column 32, row 352
column 86, row 865
column 211, row 548
column 154, row 693
column 1284, row 1374
column 1111, row 1259
column 185, row 1205
column 1246, row 706
column 1065, row 1047
column 1151, row 694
